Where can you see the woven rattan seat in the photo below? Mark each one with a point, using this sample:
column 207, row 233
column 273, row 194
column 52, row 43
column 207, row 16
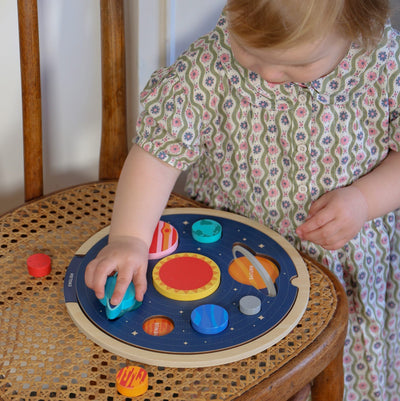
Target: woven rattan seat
column 44, row 356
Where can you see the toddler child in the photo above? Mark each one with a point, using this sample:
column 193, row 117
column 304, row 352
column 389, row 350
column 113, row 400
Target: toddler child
column 287, row 113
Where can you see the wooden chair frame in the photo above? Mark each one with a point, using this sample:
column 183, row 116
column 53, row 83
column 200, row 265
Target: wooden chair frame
column 114, row 147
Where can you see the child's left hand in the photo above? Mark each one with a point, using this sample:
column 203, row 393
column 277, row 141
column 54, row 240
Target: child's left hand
column 335, row 218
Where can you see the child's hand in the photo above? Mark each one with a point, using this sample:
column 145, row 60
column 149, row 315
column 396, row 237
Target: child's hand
column 335, row 218
column 126, row 255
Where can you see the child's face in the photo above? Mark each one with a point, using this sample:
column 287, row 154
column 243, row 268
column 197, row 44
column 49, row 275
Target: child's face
column 304, row 63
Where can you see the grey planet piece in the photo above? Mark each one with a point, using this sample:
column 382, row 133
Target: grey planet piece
column 250, row 305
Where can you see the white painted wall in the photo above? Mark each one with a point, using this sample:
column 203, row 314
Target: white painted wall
column 10, row 114
column 70, row 56
column 70, row 52
column 69, row 30
column 71, row 90
column 160, row 42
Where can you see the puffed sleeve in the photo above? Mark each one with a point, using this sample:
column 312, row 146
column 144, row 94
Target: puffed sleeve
column 169, row 125
column 393, row 66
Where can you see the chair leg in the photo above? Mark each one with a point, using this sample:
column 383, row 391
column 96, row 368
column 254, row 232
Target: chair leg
column 302, row 395
column 329, row 384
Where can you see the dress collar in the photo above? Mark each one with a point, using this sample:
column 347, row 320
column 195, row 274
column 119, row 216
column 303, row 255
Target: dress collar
column 333, row 88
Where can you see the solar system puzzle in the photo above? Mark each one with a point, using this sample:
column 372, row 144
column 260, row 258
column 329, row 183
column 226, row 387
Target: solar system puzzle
column 221, row 288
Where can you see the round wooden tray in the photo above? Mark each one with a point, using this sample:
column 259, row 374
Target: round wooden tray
column 184, row 347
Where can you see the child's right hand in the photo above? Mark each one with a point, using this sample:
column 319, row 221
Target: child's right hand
column 126, row 255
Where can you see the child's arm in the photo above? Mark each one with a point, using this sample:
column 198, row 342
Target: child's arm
column 143, row 190
column 338, row 216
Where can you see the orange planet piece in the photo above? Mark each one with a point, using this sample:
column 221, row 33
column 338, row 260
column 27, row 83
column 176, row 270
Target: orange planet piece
column 132, row 381
column 158, row 326
column 244, row 272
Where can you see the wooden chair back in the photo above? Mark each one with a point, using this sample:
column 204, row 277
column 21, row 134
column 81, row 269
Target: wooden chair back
column 113, row 148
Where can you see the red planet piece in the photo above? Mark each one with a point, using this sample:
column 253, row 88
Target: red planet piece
column 39, row 265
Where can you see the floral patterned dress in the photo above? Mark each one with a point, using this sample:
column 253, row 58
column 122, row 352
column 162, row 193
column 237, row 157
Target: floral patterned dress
column 267, row 151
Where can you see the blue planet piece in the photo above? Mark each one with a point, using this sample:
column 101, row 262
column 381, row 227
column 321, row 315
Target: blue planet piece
column 206, row 231
column 127, row 304
column 209, row 319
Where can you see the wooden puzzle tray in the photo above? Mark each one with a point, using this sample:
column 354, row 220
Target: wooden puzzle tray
column 182, row 345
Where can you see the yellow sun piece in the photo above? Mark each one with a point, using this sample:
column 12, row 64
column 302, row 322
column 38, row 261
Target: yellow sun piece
column 191, row 294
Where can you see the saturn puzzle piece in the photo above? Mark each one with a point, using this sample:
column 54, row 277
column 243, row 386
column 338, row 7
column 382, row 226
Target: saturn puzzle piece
column 252, row 269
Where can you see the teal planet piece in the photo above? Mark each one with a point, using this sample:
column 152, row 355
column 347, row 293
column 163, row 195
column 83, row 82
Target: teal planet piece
column 206, row 231
column 209, row 319
column 127, row 304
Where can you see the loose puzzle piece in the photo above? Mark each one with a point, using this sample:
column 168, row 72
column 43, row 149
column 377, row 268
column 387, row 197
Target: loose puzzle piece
column 39, row 265
column 132, row 381
column 127, row 304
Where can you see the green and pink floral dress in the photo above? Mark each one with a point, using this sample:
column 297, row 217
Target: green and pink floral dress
column 267, row 151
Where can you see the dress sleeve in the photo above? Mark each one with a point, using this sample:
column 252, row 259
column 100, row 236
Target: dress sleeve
column 394, row 92
column 169, row 127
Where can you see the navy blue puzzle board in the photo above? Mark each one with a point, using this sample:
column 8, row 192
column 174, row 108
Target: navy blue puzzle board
column 184, row 339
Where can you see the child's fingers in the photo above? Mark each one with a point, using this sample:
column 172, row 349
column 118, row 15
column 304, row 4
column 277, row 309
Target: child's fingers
column 96, row 274
column 94, row 280
column 328, row 235
column 140, row 283
column 123, row 280
column 316, row 206
column 126, row 257
column 315, row 222
column 122, row 284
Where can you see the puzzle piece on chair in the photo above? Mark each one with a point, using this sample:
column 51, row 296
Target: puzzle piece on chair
column 127, row 304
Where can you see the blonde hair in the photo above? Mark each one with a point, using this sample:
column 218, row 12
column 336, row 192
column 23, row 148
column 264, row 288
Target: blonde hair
column 285, row 23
